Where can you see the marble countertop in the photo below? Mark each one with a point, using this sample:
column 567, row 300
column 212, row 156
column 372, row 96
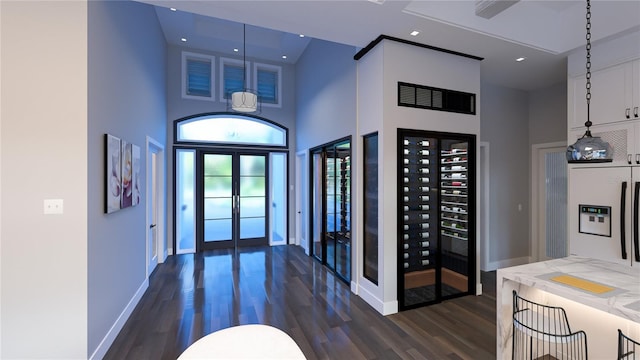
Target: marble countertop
column 623, row 301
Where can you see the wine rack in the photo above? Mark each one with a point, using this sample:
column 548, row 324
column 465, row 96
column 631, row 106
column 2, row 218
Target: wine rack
column 419, row 161
column 435, row 217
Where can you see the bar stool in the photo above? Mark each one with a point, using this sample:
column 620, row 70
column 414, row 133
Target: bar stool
column 543, row 332
column 627, row 348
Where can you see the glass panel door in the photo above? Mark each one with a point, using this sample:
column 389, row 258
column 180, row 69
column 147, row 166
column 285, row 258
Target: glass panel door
column 317, row 206
column 234, row 204
column 454, row 216
column 330, row 213
column 218, row 198
column 343, row 209
column 252, row 197
column 331, row 207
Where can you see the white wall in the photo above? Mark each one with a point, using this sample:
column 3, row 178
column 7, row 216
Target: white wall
column 379, row 72
column 505, row 125
column 127, row 87
column 44, row 155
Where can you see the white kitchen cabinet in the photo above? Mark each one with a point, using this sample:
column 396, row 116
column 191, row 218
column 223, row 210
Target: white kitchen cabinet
column 615, row 95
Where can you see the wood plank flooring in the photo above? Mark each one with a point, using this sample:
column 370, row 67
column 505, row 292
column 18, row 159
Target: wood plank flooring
column 190, row 296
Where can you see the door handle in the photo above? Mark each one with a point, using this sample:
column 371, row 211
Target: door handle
column 636, row 211
column 637, row 158
column 152, row 226
column 635, row 111
column 623, row 213
column 629, row 159
column 627, row 113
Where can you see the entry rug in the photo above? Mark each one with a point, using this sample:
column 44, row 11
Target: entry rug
column 584, row 285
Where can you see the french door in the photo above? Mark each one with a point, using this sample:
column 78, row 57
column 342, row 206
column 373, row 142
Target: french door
column 233, row 200
column 331, row 206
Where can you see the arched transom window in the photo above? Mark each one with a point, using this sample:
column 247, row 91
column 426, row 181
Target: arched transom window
column 230, row 129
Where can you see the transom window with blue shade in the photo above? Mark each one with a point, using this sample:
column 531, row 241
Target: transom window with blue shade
column 198, row 77
column 268, row 86
column 233, row 79
column 230, row 129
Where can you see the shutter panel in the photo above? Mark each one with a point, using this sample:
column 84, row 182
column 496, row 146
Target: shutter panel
column 233, row 79
column 198, row 77
column 268, row 86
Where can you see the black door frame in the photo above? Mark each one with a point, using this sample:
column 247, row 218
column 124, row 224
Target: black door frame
column 322, row 150
column 234, row 242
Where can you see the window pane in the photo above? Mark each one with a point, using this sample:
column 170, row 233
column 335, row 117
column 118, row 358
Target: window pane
column 252, row 186
column 268, row 86
column 370, row 206
column 185, row 201
column 198, row 77
column 278, row 197
column 231, row 129
column 233, row 79
column 217, row 230
column 252, row 228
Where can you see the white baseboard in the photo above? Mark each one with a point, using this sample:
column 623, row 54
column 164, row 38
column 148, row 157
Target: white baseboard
column 383, row 308
column 495, row 265
column 107, row 341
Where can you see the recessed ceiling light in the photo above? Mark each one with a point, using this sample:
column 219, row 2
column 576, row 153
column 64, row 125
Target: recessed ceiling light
column 377, row 1
column 520, row 59
column 173, row 9
column 301, row 35
column 415, row 33
column 284, row 56
column 183, row 39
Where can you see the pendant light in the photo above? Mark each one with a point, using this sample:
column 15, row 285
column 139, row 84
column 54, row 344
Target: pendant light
column 245, row 100
column 589, row 149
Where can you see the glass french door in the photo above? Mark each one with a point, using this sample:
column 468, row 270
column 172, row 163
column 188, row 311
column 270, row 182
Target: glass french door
column 233, row 200
column 331, row 207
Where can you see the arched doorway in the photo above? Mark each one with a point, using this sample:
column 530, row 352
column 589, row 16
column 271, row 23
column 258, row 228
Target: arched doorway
column 230, row 185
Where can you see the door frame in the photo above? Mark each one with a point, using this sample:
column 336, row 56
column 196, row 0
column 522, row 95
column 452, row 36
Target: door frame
column 155, row 147
column 235, row 232
column 301, row 194
column 537, row 154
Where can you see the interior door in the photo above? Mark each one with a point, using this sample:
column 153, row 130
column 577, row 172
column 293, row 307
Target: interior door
column 234, row 200
column 153, row 215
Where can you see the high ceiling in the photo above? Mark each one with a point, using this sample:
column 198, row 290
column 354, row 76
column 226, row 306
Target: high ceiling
column 542, row 31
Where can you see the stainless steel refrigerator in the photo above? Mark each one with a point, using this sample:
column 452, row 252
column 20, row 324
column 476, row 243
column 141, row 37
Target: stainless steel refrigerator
column 604, row 213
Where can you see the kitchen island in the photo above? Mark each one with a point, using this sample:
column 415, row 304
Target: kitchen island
column 599, row 297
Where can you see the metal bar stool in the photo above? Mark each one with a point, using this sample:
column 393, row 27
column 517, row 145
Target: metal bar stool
column 543, row 332
column 628, row 348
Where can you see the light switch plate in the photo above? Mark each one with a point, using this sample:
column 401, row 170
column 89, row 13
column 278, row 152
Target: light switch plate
column 53, row 206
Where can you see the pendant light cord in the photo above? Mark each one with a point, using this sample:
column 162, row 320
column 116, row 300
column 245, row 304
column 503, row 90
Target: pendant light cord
column 244, row 57
column 588, row 75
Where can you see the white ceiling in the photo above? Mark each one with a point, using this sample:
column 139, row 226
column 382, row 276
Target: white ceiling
column 543, row 31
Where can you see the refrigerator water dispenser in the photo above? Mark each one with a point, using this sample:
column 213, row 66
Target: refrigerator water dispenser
column 595, row 220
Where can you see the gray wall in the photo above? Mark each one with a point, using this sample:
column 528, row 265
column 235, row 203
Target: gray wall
column 548, row 114
column 326, row 96
column 127, row 87
column 505, row 125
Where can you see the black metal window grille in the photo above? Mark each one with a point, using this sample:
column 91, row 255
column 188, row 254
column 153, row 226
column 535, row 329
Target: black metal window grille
column 427, row 97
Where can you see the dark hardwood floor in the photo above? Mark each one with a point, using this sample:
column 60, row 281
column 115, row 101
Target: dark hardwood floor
column 190, row 296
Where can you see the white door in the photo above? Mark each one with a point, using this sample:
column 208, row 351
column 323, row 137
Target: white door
column 156, row 249
column 301, row 204
column 550, row 224
column 602, row 234
column 153, row 216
